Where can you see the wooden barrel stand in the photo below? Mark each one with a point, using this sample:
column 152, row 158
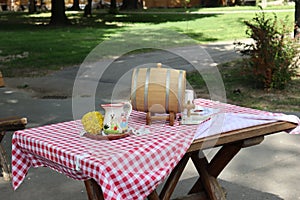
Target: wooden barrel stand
column 168, row 117
column 159, row 92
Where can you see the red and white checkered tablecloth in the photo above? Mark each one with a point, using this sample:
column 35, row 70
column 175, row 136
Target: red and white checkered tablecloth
column 128, row 168
column 231, row 117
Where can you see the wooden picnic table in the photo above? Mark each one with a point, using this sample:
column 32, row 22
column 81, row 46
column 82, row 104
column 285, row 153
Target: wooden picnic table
column 132, row 167
column 207, row 185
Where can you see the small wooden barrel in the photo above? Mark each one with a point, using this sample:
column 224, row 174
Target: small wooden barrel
column 158, row 90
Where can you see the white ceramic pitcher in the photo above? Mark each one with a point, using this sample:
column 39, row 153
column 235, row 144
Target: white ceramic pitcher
column 116, row 117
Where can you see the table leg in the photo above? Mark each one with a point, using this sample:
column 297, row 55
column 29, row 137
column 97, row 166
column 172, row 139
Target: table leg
column 222, row 158
column 93, row 190
column 153, row 196
column 206, row 187
column 209, row 171
column 6, row 171
column 2, row 133
column 197, row 187
column 173, row 179
column 212, row 188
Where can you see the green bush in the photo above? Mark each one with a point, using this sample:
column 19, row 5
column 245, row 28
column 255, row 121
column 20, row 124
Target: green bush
column 270, row 61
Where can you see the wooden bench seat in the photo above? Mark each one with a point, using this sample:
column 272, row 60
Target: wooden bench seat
column 8, row 124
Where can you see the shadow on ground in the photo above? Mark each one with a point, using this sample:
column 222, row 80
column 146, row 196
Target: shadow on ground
column 234, row 191
column 38, row 184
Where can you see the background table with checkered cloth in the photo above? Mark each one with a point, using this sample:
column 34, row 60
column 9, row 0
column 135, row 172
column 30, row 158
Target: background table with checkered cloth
column 128, row 168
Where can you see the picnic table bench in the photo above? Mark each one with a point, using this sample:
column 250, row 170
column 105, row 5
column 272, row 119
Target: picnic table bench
column 8, row 124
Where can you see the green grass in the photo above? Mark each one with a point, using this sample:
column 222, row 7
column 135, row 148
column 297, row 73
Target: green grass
column 29, row 47
column 48, row 48
column 215, row 9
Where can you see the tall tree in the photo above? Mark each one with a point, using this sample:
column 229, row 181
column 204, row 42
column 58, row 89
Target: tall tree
column 131, row 4
column 75, row 5
column 297, row 19
column 113, row 7
column 32, row 6
column 88, row 9
column 58, row 15
column 211, row 3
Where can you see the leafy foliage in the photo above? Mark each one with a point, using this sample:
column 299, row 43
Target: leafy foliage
column 271, row 61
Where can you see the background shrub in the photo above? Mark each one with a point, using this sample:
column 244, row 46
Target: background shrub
column 270, row 61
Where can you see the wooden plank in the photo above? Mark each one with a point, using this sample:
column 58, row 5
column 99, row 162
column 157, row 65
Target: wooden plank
column 253, row 141
column 5, row 165
column 197, row 187
column 2, row 133
column 241, row 134
column 93, row 190
column 212, row 188
column 12, row 123
column 173, row 179
column 196, row 196
column 153, row 196
column 222, row 158
column 8, row 124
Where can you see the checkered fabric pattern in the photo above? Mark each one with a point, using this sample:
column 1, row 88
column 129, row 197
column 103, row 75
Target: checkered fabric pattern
column 128, row 168
column 229, row 108
column 232, row 117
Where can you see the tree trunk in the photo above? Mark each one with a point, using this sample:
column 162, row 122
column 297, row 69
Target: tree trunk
column 113, row 7
column 58, row 15
column 223, row 3
column 297, row 19
column 43, row 6
column 32, row 6
column 88, row 9
column 113, row 4
column 131, row 4
column 75, row 5
column 211, row 3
